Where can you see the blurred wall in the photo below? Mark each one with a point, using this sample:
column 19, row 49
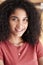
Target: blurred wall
column 36, row 1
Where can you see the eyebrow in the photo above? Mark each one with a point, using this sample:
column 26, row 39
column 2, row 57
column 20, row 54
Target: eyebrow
column 13, row 17
column 16, row 17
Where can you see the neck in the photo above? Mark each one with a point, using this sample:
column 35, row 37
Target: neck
column 16, row 40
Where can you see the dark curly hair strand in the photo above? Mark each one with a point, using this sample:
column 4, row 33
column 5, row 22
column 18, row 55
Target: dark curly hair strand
column 34, row 27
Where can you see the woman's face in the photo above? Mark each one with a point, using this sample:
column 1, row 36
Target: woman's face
column 18, row 22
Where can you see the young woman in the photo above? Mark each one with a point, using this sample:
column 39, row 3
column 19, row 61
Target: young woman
column 20, row 29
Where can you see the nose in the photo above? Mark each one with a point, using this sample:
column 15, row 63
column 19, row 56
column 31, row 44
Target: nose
column 20, row 25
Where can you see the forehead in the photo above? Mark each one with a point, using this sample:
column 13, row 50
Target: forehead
column 19, row 12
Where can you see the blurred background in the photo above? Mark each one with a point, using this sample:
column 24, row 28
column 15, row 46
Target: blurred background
column 39, row 5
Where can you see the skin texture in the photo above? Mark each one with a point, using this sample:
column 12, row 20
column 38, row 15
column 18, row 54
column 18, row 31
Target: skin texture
column 40, row 61
column 18, row 25
column 1, row 62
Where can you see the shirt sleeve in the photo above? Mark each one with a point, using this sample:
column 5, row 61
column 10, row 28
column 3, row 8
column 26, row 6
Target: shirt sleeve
column 1, row 53
column 39, row 50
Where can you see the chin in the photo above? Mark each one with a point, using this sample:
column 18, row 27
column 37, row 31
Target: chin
column 19, row 35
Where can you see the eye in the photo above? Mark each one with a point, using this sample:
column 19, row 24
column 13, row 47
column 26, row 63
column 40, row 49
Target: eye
column 25, row 19
column 14, row 18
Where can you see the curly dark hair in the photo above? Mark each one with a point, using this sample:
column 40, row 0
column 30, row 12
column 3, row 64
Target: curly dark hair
column 34, row 27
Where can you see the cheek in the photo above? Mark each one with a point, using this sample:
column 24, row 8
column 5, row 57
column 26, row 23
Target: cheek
column 12, row 25
column 26, row 25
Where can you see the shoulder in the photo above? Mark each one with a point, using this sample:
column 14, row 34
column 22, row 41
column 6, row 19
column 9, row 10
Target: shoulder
column 39, row 45
column 3, row 45
column 39, row 49
column 40, row 53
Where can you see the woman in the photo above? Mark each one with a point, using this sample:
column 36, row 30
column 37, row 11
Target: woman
column 20, row 29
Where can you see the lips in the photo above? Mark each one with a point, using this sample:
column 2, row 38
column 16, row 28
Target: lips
column 18, row 30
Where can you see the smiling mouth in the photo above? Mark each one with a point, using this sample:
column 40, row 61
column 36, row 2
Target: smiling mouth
column 19, row 30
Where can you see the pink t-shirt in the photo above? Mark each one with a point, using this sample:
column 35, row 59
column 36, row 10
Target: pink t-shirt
column 22, row 55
